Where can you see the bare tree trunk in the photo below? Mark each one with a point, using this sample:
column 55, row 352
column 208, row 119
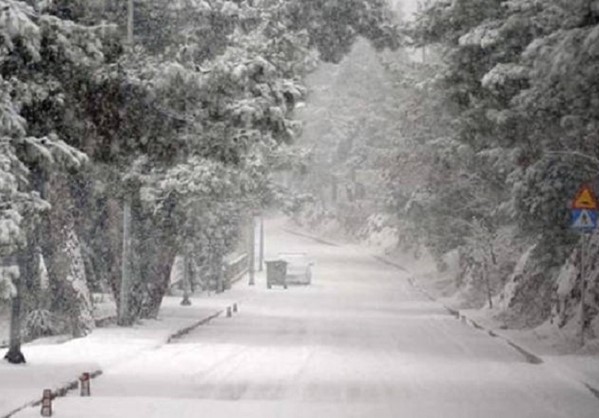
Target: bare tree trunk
column 217, row 265
column 186, row 278
column 488, row 284
column 27, row 260
column 158, row 285
column 112, row 228
column 14, row 354
column 64, row 255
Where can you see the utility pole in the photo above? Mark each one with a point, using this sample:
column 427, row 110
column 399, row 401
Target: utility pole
column 251, row 250
column 130, row 23
column 123, row 318
column 421, row 5
column 261, row 258
column 583, row 286
column 584, row 210
column 123, row 314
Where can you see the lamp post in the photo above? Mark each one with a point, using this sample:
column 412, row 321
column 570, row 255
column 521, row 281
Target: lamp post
column 251, row 250
column 261, row 254
column 130, row 23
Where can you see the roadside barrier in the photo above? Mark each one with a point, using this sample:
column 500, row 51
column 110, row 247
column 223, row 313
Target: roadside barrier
column 84, row 384
column 47, row 403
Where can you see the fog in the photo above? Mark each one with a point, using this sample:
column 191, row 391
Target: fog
column 297, row 208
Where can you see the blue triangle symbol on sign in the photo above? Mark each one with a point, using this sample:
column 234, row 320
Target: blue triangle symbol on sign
column 584, row 219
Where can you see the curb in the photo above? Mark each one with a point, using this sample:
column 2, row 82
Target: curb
column 56, row 393
column 106, row 321
column 312, row 237
column 190, row 328
column 72, row 385
column 527, row 354
column 591, row 389
column 389, row 262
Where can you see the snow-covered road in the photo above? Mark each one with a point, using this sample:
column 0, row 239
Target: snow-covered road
column 358, row 342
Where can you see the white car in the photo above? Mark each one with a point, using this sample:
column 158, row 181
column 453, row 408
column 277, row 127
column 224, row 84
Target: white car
column 299, row 268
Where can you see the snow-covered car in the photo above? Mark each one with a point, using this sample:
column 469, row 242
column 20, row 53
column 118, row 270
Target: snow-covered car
column 299, row 268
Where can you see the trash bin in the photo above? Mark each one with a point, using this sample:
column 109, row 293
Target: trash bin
column 276, row 272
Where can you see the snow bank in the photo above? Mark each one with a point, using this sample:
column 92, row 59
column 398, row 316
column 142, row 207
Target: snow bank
column 504, row 299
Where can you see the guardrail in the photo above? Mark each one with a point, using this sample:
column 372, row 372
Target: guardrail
column 235, row 266
column 235, row 269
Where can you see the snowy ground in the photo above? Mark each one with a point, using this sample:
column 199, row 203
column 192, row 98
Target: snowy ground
column 359, row 342
column 559, row 347
column 104, row 310
column 51, row 365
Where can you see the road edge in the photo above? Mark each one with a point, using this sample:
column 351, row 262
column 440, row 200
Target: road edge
column 528, row 354
column 65, row 388
column 312, row 237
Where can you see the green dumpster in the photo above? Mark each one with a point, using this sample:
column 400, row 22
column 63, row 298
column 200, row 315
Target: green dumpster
column 276, row 273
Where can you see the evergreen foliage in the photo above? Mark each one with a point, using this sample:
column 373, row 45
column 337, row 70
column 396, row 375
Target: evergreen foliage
column 185, row 124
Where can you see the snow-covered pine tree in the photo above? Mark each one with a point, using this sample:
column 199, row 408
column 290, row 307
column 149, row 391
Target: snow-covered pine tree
column 32, row 146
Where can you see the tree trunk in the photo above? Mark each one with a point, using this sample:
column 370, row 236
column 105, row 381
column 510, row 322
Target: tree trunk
column 14, row 354
column 81, row 316
column 113, row 242
column 216, row 267
column 158, row 281
column 32, row 284
column 28, row 262
column 66, row 269
column 488, row 284
column 153, row 251
column 186, row 278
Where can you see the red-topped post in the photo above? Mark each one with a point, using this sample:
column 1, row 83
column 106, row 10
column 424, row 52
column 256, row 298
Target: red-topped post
column 47, row 403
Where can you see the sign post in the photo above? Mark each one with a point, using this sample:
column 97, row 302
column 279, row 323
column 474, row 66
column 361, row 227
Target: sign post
column 584, row 219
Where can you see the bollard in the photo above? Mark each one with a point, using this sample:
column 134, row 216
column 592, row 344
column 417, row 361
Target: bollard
column 235, row 307
column 228, row 312
column 84, row 381
column 47, row 403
